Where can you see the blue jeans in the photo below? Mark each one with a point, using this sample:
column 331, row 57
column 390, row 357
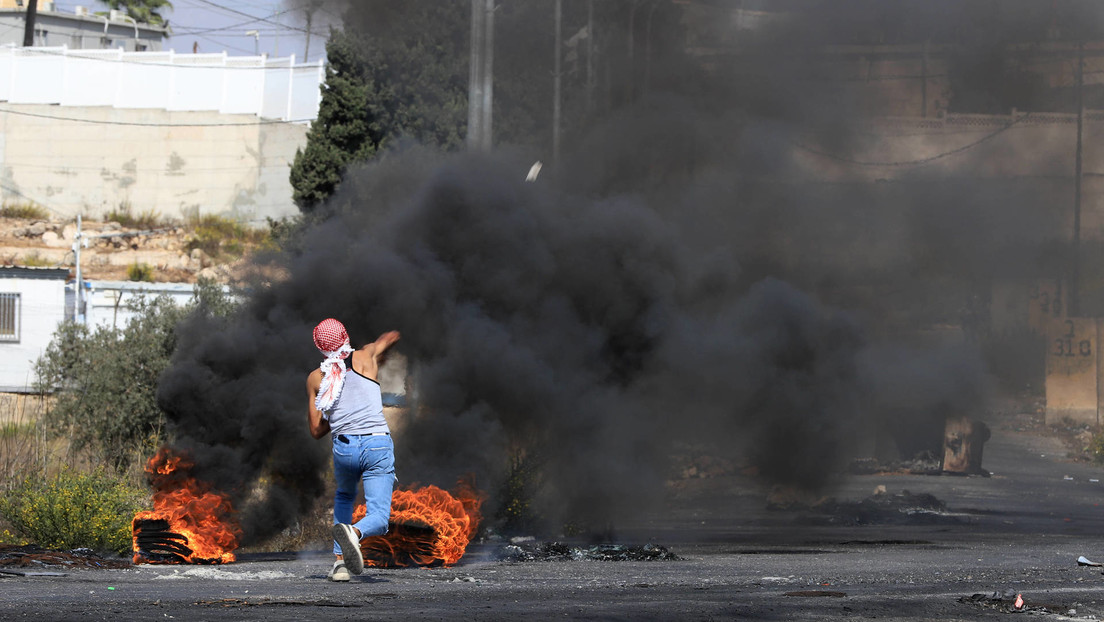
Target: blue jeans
column 370, row 459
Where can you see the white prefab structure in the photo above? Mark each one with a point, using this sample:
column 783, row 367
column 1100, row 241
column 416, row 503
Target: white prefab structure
column 110, row 303
column 32, row 303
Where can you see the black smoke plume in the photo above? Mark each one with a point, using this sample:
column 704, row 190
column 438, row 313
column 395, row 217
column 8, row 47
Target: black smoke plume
column 585, row 331
column 674, row 279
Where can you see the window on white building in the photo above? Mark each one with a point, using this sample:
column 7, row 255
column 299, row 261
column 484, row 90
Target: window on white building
column 9, row 317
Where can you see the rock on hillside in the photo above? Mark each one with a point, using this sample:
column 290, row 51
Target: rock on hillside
column 110, row 250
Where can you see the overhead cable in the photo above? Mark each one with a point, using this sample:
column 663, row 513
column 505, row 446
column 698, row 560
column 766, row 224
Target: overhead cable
column 136, row 124
column 933, row 158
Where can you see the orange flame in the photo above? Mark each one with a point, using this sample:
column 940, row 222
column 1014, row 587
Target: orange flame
column 428, row 527
column 203, row 516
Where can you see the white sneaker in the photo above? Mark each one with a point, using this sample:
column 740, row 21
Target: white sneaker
column 339, row 572
column 347, row 539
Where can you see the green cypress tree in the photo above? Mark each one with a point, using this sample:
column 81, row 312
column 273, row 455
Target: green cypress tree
column 342, row 133
column 396, row 71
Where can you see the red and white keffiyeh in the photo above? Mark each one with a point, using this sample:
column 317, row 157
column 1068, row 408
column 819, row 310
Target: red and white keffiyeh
column 332, row 340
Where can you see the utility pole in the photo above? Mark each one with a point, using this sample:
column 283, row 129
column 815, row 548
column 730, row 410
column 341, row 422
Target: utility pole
column 488, row 74
column 924, row 79
column 590, row 58
column 276, row 13
column 78, row 240
column 1075, row 285
column 633, row 74
column 481, row 77
column 310, row 19
column 475, row 77
column 556, row 94
column 29, row 26
column 648, row 48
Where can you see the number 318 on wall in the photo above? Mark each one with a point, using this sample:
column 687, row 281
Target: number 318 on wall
column 1064, row 345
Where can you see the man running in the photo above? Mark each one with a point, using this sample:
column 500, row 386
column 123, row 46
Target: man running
column 345, row 400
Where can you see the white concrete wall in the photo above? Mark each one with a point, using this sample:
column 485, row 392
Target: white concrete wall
column 42, row 307
column 91, row 160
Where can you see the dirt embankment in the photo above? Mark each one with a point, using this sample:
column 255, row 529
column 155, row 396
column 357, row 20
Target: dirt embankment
column 110, row 250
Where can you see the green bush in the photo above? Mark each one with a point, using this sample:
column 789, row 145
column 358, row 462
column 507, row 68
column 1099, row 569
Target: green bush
column 73, row 510
column 149, row 219
column 34, row 260
column 281, row 232
column 104, row 380
column 518, row 513
column 219, row 236
column 13, row 430
column 1096, row 447
column 140, row 272
column 31, row 211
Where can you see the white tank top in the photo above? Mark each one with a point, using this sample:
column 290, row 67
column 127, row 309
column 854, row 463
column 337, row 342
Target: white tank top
column 359, row 408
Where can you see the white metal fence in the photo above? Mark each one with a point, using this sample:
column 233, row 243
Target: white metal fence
column 271, row 88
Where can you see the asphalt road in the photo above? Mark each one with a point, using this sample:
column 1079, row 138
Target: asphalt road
column 1019, row 531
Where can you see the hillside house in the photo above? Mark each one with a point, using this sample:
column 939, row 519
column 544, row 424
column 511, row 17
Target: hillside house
column 32, row 303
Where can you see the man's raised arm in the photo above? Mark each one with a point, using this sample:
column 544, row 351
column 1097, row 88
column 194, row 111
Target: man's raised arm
column 383, row 342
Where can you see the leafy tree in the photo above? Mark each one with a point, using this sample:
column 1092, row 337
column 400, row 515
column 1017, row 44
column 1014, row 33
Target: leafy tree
column 396, row 70
column 143, row 11
column 106, row 379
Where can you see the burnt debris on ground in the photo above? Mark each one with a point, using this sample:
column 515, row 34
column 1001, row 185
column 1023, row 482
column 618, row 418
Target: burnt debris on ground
column 903, row 508
column 923, row 463
column 550, row 551
column 17, row 558
column 1010, row 601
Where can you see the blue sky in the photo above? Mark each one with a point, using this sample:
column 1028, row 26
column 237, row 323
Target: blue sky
column 218, row 25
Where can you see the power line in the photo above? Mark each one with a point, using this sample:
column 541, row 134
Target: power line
column 262, row 31
column 136, row 124
column 233, row 26
column 19, row 193
column 224, row 44
column 273, row 29
column 162, row 170
column 236, row 12
column 912, row 162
